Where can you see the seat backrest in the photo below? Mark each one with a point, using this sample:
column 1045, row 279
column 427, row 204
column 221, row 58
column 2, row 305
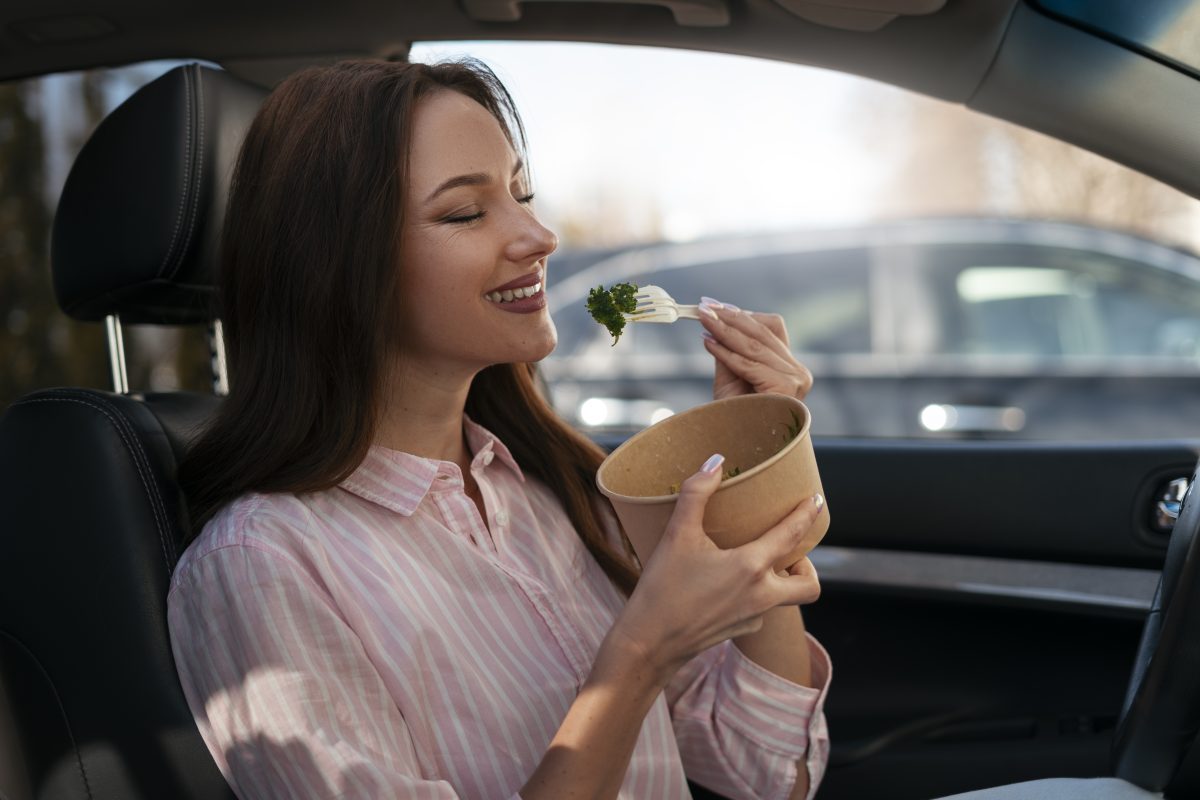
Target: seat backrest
column 93, row 518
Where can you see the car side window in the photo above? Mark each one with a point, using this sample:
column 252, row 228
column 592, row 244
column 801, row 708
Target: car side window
column 1008, row 300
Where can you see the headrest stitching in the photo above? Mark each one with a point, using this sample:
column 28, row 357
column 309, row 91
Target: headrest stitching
column 195, row 163
column 187, row 171
column 140, row 462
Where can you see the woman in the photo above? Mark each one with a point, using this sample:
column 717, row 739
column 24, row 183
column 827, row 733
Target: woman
column 404, row 582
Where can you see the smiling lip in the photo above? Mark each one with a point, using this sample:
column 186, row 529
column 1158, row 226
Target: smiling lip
column 519, row 283
column 526, row 305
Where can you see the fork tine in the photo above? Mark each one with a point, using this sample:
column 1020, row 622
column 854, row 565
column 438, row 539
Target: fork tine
column 652, row 292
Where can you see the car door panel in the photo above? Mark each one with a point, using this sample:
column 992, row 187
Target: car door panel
column 1008, row 660
column 932, row 696
column 1087, row 503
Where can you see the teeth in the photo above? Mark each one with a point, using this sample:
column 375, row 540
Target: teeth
column 508, row 295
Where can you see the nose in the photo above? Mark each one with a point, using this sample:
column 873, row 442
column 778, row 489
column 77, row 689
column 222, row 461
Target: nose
column 531, row 240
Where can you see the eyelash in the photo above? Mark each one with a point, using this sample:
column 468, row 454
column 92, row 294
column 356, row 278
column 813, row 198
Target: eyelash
column 463, row 220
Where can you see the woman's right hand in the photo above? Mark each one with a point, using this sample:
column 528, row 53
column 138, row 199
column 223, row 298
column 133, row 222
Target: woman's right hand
column 693, row 595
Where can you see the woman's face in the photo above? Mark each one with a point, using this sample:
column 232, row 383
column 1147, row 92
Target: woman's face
column 469, row 228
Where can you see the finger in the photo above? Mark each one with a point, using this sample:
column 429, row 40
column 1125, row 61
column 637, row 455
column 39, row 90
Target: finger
column 786, row 535
column 694, row 494
column 752, row 324
column 801, row 586
column 775, row 324
column 743, row 332
column 794, row 383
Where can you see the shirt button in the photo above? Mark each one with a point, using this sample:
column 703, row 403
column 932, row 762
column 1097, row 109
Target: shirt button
column 487, row 457
column 501, row 517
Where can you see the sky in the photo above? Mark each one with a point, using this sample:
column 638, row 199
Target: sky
column 710, row 142
column 638, row 144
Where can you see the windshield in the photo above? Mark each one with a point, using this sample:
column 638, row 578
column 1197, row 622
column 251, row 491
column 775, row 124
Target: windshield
column 1167, row 29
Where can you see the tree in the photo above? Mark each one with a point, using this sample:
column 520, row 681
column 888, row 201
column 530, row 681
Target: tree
column 39, row 345
column 950, row 160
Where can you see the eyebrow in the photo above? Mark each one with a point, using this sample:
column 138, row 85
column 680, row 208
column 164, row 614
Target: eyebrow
column 473, row 179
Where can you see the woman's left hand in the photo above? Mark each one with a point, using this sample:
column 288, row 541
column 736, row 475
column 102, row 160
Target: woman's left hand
column 752, row 353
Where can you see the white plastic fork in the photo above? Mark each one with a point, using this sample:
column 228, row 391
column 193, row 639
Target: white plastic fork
column 655, row 305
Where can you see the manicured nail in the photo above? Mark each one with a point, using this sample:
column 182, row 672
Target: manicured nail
column 707, row 311
column 713, row 464
column 708, row 301
column 818, row 500
column 732, row 307
column 708, row 336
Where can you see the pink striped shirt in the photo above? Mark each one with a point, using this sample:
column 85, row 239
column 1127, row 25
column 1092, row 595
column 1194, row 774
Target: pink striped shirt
column 380, row 640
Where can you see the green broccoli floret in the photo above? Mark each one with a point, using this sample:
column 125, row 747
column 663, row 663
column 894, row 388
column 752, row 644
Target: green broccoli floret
column 609, row 306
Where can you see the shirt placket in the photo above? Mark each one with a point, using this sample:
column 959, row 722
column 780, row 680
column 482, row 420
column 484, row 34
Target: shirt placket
column 461, row 513
column 463, row 509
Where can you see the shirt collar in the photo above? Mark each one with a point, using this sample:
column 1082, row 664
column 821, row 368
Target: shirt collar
column 399, row 481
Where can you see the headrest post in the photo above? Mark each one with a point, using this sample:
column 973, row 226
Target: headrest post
column 116, row 354
column 216, row 347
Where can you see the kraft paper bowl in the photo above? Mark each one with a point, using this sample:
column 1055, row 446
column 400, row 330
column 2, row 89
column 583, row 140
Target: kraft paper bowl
column 641, row 476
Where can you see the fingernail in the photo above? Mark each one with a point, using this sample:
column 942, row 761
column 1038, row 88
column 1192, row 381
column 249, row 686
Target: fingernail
column 708, row 336
column 732, row 307
column 707, row 311
column 818, row 500
column 708, row 301
column 713, row 464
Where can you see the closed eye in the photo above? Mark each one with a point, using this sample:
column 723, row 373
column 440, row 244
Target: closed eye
column 473, row 217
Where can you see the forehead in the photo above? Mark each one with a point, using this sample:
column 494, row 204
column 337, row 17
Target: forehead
column 454, row 135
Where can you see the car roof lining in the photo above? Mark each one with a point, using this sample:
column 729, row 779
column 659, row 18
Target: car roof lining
column 943, row 54
column 995, row 56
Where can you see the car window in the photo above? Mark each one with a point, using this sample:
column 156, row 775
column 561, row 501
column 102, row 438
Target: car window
column 1166, row 29
column 1049, row 302
column 940, row 272
column 921, row 255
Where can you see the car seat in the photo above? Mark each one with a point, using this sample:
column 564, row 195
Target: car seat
column 90, row 703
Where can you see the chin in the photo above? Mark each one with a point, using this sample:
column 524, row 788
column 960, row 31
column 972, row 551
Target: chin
column 544, row 345
column 536, row 354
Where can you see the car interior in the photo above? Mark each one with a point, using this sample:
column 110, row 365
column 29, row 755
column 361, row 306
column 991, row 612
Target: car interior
column 1080, row 665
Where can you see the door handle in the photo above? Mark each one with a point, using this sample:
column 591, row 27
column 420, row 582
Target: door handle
column 1170, row 501
column 951, row 417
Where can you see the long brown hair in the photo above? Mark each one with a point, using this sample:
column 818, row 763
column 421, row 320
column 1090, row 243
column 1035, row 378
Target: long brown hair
column 308, row 281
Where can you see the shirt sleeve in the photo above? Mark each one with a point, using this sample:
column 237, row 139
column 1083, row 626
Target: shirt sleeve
column 742, row 729
column 281, row 687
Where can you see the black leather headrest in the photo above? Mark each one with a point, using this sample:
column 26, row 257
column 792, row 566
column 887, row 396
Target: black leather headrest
column 138, row 225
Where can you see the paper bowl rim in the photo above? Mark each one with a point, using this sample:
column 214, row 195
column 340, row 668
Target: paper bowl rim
column 725, row 484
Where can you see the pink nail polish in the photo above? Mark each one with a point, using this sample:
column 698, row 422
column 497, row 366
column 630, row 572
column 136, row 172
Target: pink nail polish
column 713, row 463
